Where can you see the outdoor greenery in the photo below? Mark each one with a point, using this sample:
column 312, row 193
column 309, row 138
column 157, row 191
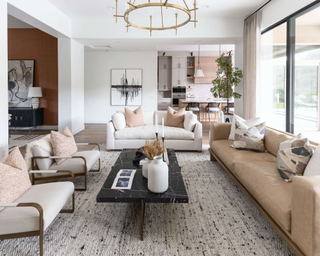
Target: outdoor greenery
column 228, row 77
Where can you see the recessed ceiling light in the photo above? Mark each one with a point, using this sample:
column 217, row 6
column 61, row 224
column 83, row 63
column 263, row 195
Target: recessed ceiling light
column 117, row 42
column 206, row 6
column 111, row 7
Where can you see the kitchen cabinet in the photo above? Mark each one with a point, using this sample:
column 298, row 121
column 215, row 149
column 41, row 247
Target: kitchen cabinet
column 209, row 67
column 179, row 71
column 164, row 74
column 179, row 62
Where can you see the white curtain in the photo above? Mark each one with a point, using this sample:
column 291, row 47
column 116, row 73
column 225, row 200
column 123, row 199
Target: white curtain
column 252, row 46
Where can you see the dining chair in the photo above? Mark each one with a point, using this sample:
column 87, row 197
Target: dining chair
column 194, row 107
column 231, row 108
column 212, row 107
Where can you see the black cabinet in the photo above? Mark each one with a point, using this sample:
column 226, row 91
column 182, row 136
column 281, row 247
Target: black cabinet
column 26, row 117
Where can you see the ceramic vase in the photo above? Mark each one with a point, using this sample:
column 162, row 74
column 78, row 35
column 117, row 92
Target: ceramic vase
column 158, row 175
column 145, row 164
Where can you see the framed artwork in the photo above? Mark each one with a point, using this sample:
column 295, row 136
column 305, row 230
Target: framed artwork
column 126, row 87
column 20, row 79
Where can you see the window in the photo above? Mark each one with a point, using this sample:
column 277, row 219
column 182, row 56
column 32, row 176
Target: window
column 290, row 65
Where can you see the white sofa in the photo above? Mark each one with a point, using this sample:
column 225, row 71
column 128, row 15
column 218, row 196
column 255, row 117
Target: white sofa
column 135, row 137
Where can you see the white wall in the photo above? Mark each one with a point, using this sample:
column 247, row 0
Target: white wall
column 97, row 82
column 71, row 85
column 3, row 81
column 77, row 97
column 279, row 9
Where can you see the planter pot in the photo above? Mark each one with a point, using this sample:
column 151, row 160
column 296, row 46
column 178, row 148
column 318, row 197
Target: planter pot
column 228, row 117
column 158, row 175
column 145, row 165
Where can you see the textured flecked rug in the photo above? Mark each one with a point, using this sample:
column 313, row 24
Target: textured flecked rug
column 219, row 220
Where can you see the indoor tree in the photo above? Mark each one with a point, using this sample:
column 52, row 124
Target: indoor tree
column 228, row 77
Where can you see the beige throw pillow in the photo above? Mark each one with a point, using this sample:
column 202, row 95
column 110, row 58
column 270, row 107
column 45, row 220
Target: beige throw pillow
column 63, row 144
column 134, row 118
column 14, row 177
column 175, row 118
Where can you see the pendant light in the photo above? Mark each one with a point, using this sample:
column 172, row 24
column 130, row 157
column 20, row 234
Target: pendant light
column 199, row 72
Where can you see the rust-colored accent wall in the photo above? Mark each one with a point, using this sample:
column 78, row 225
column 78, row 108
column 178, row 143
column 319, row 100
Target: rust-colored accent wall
column 36, row 45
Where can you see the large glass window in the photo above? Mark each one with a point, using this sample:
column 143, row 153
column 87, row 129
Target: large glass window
column 273, row 77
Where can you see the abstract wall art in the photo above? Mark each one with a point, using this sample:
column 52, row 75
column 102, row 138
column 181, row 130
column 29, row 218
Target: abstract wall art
column 20, row 79
column 126, row 87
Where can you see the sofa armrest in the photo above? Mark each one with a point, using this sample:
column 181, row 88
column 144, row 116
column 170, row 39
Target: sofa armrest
column 198, row 136
column 110, row 135
column 305, row 216
column 219, row 131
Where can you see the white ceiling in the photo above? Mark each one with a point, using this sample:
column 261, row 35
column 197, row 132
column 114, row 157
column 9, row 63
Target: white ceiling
column 98, row 9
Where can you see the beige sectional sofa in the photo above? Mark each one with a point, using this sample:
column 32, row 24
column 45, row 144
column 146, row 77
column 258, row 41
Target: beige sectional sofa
column 293, row 209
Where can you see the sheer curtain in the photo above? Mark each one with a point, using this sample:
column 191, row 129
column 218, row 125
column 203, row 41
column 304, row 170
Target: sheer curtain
column 252, row 46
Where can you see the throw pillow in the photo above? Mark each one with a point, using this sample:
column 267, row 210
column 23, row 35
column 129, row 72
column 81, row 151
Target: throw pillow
column 14, row 177
column 293, row 157
column 190, row 121
column 119, row 121
column 134, row 118
column 63, row 144
column 249, row 123
column 175, row 118
column 249, row 138
column 312, row 168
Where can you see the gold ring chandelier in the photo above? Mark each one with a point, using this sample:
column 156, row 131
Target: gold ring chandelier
column 161, row 5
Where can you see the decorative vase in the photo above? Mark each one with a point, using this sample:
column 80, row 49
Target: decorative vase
column 145, row 164
column 158, row 175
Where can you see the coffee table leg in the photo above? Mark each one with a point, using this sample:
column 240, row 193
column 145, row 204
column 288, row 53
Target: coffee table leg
column 143, row 207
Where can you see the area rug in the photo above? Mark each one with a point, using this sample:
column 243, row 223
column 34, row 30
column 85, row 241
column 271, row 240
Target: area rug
column 22, row 140
column 218, row 220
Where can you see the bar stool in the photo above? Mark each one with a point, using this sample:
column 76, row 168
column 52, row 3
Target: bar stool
column 212, row 108
column 231, row 108
column 194, row 107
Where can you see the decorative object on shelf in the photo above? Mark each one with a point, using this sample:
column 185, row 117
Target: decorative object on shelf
column 153, row 148
column 158, row 175
column 20, row 79
column 126, row 87
column 164, row 8
column 35, row 93
column 228, row 77
column 199, row 72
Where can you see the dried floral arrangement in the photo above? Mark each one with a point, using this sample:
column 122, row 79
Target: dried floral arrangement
column 153, row 148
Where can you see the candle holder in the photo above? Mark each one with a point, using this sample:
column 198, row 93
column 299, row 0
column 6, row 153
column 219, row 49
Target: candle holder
column 157, row 136
column 163, row 148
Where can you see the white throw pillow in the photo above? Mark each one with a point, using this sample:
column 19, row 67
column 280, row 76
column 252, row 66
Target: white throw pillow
column 249, row 123
column 148, row 117
column 190, row 121
column 119, row 121
column 312, row 168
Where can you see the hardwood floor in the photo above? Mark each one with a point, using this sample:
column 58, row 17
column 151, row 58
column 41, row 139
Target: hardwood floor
column 96, row 133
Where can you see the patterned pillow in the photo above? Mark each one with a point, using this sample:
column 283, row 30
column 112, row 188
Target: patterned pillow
column 293, row 157
column 14, row 177
column 249, row 138
column 63, row 144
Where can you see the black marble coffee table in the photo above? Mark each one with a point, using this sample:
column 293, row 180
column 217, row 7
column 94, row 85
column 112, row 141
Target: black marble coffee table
column 139, row 192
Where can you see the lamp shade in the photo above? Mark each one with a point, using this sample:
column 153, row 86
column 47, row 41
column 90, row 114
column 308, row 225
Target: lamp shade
column 198, row 73
column 34, row 92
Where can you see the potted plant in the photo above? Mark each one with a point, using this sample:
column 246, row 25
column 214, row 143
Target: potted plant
column 228, row 77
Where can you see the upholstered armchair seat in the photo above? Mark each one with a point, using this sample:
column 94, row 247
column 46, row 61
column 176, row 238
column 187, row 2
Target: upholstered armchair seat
column 51, row 197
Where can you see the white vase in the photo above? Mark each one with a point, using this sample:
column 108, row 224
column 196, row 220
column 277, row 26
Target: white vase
column 158, row 175
column 145, row 164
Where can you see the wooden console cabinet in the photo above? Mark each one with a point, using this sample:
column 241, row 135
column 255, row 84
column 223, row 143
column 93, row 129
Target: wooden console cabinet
column 26, row 117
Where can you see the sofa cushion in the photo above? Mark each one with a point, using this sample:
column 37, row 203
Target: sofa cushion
column 229, row 156
column 51, row 196
column 175, row 118
column 263, row 181
column 14, row 177
column 161, row 114
column 134, row 118
column 148, row 117
column 119, row 120
column 148, row 133
column 63, row 144
column 272, row 140
column 45, row 163
column 293, row 157
column 190, row 121
column 249, row 138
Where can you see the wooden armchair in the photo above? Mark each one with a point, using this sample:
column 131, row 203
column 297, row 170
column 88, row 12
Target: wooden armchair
column 31, row 213
column 79, row 164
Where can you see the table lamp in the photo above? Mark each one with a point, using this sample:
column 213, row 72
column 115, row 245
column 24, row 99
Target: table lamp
column 35, row 93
